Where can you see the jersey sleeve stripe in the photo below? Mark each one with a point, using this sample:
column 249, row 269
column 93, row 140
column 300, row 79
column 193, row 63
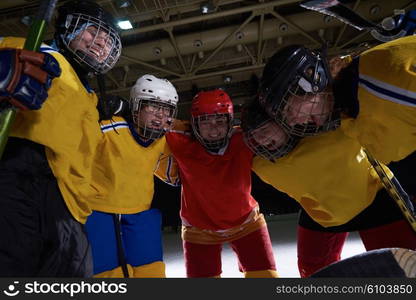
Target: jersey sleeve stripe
column 387, row 91
column 117, row 125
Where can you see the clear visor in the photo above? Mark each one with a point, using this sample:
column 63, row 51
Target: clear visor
column 92, row 42
column 152, row 118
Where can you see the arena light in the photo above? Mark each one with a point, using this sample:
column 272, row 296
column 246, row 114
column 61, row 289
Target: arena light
column 27, row 20
column 125, row 24
column 207, row 7
column 123, row 3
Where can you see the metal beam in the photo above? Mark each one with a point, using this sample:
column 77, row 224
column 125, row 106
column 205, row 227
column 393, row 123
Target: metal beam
column 137, row 61
column 111, row 77
column 221, row 45
column 200, row 76
column 300, row 30
column 175, row 46
column 206, row 17
column 253, row 59
column 354, row 39
column 217, row 73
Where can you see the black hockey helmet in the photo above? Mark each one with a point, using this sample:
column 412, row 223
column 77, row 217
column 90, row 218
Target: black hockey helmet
column 294, row 70
column 76, row 17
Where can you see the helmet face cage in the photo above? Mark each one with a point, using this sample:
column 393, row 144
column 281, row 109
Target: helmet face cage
column 304, row 80
column 316, row 111
column 76, row 25
column 213, row 145
column 165, row 112
column 268, row 148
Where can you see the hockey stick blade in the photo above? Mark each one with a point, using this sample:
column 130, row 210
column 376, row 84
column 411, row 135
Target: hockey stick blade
column 341, row 12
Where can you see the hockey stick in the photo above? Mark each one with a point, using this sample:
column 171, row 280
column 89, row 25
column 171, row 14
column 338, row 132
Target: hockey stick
column 120, row 249
column 395, row 190
column 33, row 41
column 336, row 9
column 339, row 11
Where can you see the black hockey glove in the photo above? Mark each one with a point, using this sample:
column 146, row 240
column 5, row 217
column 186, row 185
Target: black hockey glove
column 113, row 106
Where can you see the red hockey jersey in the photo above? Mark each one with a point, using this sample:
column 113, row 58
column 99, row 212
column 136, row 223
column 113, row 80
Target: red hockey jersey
column 216, row 189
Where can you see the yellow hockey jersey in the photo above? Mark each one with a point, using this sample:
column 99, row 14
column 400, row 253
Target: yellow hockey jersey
column 123, row 170
column 67, row 125
column 386, row 123
column 328, row 175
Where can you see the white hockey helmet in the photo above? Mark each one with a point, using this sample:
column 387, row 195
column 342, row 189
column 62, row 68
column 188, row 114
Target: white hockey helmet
column 158, row 94
column 149, row 87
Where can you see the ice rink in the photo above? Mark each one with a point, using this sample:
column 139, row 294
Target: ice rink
column 282, row 229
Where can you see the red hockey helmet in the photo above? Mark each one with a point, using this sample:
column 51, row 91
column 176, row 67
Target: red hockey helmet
column 211, row 102
column 209, row 105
